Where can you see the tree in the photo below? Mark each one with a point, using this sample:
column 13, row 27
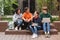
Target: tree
column 1, row 7
column 47, row 3
column 20, row 4
column 59, row 8
column 9, row 7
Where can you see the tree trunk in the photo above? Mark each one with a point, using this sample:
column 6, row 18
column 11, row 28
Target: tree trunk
column 20, row 4
column 59, row 15
column 59, row 8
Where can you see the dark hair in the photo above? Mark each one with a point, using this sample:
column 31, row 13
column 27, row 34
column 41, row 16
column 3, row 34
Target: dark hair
column 44, row 9
column 25, row 9
column 37, row 12
column 16, row 10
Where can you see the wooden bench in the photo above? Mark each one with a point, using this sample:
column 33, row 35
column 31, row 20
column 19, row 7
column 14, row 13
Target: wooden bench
column 53, row 31
column 3, row 26
column 27, row 32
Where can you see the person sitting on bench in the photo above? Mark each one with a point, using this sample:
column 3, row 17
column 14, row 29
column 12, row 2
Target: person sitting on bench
column 35, row 26
column 17, row 18
column 46, row 19
column 27, row 17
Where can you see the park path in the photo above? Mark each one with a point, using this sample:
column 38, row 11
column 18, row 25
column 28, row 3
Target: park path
column 27, row 37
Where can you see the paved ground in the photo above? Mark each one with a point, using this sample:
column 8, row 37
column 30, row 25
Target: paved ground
column 27, row 37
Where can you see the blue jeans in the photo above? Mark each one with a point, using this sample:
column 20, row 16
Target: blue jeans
column 46, row 27
column 34, row 29
column 18, row 23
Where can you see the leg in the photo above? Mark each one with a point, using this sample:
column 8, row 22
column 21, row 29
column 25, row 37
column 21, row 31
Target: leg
column 38, row 27
column 19, row 24
column 15, row 24
column 25, row 25
column 44, row 27
column 48, row 27
column 31, row 28
column 48, row 30
column 35, row 30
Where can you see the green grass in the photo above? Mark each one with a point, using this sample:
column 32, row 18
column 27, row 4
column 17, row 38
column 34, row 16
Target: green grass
column 4, row 18
column 7, row 19
column 10, row 19
column 55, row 19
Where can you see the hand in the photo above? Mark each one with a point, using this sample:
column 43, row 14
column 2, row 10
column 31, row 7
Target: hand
column 33, row 24
column 25, row 20
column 28, row 20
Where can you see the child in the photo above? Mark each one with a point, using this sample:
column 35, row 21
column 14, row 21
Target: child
column 35, row 24
column 17, row 18
column 46, row 25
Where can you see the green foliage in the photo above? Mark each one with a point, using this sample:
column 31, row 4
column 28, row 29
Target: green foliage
column 51, row 4
column 55, row 19
column 1, row 6
column 10, row 5
column 8, row 9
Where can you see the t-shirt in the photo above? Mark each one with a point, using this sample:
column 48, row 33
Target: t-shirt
column 27, row 15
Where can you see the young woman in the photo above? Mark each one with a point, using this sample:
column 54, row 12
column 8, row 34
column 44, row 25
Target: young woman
column 46, row 25
column 17, row 18
column 27, row 17
column 35, row 24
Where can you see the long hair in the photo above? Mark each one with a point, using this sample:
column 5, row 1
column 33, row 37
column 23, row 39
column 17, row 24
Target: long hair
column 16, row 10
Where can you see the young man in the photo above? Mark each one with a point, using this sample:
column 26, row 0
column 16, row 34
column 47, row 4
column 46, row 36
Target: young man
column 27, row 17
column 17, row 18
column 46, row 24
column 35, row 25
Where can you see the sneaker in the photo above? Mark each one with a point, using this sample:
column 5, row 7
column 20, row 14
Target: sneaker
column 16, row 28
column 34, row 35
column 47, row 35
column 19, row 28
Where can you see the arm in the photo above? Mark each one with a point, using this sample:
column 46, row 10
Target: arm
column 31, row 17
column 51, row 18
column 14, row 17
column 41, row 16
column 23, row 16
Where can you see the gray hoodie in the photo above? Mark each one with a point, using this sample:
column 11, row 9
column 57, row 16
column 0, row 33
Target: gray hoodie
column 16, row 16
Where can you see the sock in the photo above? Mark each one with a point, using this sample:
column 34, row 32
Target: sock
column 45, row 32
column 48, row 32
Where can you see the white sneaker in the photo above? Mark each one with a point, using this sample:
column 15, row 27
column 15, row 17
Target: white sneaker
column 47, row 35
column 16, row 28
column 34, row 35
column 19, row 28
